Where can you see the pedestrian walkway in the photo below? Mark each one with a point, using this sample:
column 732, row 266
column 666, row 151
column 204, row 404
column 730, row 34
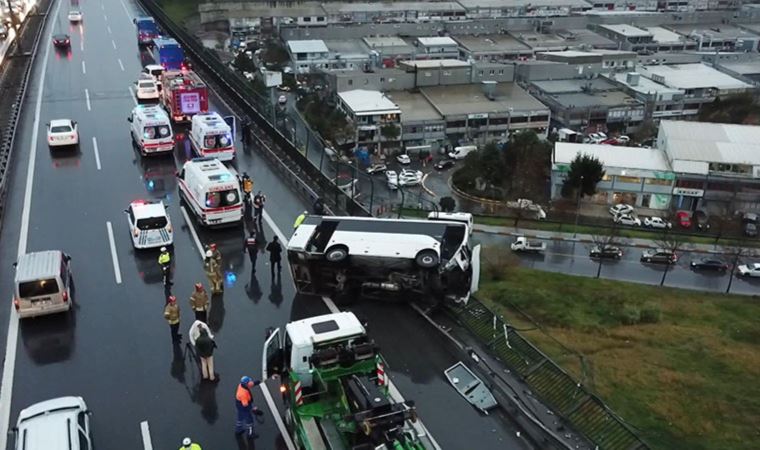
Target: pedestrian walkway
column 589, row 239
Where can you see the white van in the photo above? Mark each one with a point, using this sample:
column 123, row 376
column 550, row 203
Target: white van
column 453, row 217
column 42, row 284
column 211, row 136
column 151, row 129
column 212, row 191
column 62, row 422
column 462, row 152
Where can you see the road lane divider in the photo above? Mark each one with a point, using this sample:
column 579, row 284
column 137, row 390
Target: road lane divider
column 194, row 233
column 87, row 98
column 81, row 45
column 97, row 153
column 126, row 10
column 145, row 432
column 108, row 27
column 105, row 17
column 113, row 43
column 11, row 341
column 132, row 93
column 114, row 256
column 121, row 64
column 84, row 68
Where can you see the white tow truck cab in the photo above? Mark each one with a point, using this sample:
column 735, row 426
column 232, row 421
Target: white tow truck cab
column 149, row 224
column 212, row 191
column 522, row 244
column 42, row 284
column 211, row 136
column 156, row 71
column 62, row 422
column 151, row 129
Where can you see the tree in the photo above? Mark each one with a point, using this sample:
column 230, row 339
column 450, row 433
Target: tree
column 739, row 109
column 604, row 241
column 389, row 132
column 646, row 130
column 671, row 242
column 585, row 173
column 527, row 164
column 447, row 204
column 737, row 252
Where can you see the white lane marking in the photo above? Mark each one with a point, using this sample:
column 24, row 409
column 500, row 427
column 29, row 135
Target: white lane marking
column 277, row 231
column 145, row 431
column 105, row 17
column 132, row 93
column 192, row 231
column 84, row 68
column 87, row 98
column 121, row 65
column 81, row 45
column 11, row 342
column 97, row 153
column 108, row 27
column 114, row 256
column 113, row 43
column 330, row 304
column 103, row 6
column 276, row 414
column 126, row 10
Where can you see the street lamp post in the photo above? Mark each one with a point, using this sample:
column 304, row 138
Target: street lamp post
column 578, row 208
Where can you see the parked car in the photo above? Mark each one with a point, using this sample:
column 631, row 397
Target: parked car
column 749, row 270
column 625, row 219
column 709, row 264
column 657, row 222
column 283, row 88
column 444, row 164
column 621, row 208
column 749, row 221
column 659, row 255
column 403, row 159
column 282, row 100
column 391, row 177
column 409, row 177
column 702, row 220
column 606, row 251
column 376, row 168
column 684, row 219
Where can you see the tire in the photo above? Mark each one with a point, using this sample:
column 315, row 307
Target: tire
column 427, row 259
column 336, row 254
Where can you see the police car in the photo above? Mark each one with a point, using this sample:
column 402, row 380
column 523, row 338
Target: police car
column 149, row 224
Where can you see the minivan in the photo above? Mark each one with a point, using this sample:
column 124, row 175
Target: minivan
column 462, row 152
column 42, row 284
column 62, row 422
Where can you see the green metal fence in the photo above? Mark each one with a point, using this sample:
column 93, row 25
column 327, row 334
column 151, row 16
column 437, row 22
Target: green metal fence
column 569, row 399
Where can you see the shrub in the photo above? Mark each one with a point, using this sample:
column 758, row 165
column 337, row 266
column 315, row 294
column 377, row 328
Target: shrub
column 650, row 313
column 629, row 315
column 497, row 262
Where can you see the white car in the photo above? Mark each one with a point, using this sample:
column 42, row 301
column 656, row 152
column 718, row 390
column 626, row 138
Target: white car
column 75, row 16
column 146, row 89
column 409, row 177
column 282, row 100
column 657, row 222
column 149, row 224
column 626, row 219
column 62, row 132
column 749, row 270
column 621, row 208
column 392, row 178
column 595, row 138
column 155, row 72
column 404, row 159
column 376, row 168
column 65, row 420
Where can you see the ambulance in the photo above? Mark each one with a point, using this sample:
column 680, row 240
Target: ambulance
column 212, row 191
column 151, row 129
column 211, row 136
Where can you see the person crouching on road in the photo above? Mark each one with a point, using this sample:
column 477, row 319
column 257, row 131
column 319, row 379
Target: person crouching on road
column 199, row 302
column 245, row 409
column 171, row 314
column 204, row 347
column 188, row 444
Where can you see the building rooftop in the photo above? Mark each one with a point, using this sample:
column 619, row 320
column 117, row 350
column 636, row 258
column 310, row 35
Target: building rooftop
column 347, row 8
column 575, row 85
column 635, row 158
column 500, row 4
column 711, row 142
column 253, row 10
column 414, row 107
column 692, row 76
column 436, row 41
column 626, row 30
column 365, row 102
column 470, row 99
column 347, row 48
column 432, row 63
column 664, row 36
column 716, row 31
column 541, row 41
column 388, row 44
column 309, row 46
column 607, row 99
column 745, row 68
column 645, row 85
column 492, row 43
column 580, row 36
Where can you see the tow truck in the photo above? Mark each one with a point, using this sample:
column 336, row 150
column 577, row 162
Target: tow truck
column 147, row 31
column 335, row 390
column 184, row 94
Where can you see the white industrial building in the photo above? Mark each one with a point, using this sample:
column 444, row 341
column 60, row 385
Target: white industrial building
column 370, row 111
column 637, row 176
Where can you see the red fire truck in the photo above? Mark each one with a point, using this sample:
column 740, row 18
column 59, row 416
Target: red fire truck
column 183, row 95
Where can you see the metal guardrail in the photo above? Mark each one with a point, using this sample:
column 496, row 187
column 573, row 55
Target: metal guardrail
column 277, row 148
column 13, row 84
column 567, row 397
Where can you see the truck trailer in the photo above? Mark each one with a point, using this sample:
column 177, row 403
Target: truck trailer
column 335, row 388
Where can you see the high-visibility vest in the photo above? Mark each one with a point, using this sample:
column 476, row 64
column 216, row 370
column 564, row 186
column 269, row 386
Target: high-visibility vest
column 193, row 446
column 164, row 258
column 299, row 220
column 247, row 185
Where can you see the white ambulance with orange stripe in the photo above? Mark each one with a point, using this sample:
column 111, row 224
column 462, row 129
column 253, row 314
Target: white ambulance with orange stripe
column 151, row 130
column 212, row 191
column 211, row 136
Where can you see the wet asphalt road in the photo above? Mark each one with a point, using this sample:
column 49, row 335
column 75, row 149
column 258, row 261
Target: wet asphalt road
column 115, row 349
column 570, row 258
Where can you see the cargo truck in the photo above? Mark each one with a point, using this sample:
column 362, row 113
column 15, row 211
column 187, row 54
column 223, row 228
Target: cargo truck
column 169, row 54
column 147, row 31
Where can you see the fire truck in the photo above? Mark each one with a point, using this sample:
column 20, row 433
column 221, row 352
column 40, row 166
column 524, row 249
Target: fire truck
column 183, row 95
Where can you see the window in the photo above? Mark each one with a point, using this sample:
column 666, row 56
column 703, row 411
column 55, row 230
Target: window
column 366, row 81
column 350, row 82
column 382, row 79
column 657, row 181
column 624, row 179
column 222, row 198
column 38, row 288
column 320, row 19
column 152, row 223
column 607, row 177
column 501, row 71
column 307, row 19
column 491, row 72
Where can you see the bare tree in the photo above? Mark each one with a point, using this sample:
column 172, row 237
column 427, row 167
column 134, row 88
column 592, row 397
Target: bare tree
column 736, row 253
column 605, row 241
column 671, row 242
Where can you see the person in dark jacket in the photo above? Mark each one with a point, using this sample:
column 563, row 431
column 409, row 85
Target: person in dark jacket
column 204, row 347
column 251, row 246
column 275, row 255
